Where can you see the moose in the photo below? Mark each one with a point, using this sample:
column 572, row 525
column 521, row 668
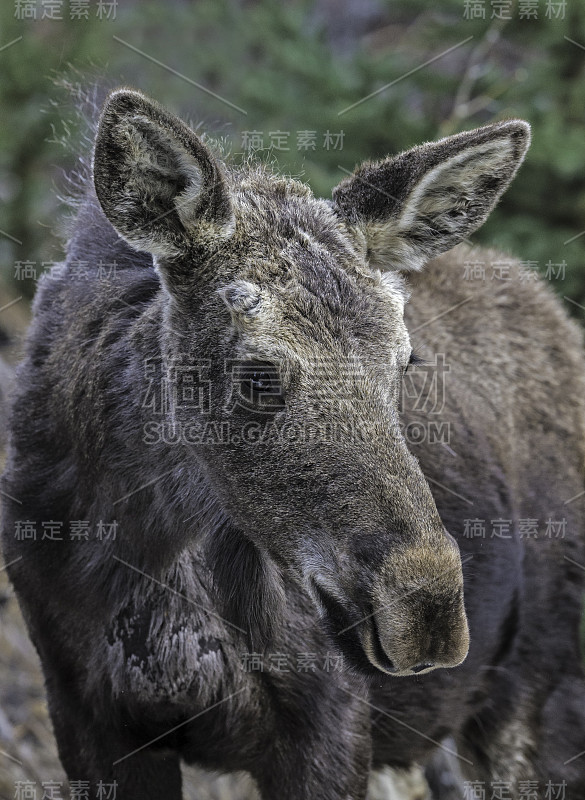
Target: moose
column 226, row 548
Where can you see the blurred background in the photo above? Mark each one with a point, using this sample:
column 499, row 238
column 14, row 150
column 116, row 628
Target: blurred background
column 315, row 87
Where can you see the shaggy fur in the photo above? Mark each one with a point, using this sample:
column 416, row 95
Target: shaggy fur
column 229, row 398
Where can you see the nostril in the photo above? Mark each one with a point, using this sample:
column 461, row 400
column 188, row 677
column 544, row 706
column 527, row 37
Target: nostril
column 382, row 659
column 420, row 667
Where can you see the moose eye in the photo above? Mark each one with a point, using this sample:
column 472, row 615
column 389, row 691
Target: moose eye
column 260, row 385
column 414, row 360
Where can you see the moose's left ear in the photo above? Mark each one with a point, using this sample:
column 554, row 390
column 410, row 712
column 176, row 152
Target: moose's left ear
column 417, row 205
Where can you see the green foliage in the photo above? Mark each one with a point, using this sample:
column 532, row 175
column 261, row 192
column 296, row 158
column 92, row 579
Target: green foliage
column 293, row 67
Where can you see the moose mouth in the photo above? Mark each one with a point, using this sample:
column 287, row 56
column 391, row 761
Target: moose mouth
column 356, row 637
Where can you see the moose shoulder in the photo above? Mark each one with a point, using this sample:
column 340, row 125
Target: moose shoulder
column 251, row 566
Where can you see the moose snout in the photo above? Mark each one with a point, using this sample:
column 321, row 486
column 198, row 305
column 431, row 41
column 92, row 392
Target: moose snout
column 418, row 620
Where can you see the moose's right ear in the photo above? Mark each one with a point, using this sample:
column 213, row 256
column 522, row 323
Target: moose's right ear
column 158, row 184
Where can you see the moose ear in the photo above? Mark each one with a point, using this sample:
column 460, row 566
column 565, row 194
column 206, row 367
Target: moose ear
column 158, row 184
column 424, row 201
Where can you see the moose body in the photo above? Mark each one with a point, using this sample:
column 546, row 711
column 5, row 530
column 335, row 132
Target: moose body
column 296, row 549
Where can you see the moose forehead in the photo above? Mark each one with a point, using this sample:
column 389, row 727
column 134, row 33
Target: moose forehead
column 303, row 283
column 298, row 274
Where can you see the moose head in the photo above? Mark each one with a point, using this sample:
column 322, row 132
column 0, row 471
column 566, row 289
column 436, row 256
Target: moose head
column 295, row 306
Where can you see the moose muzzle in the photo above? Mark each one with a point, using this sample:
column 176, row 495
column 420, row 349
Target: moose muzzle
column 418, row 621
